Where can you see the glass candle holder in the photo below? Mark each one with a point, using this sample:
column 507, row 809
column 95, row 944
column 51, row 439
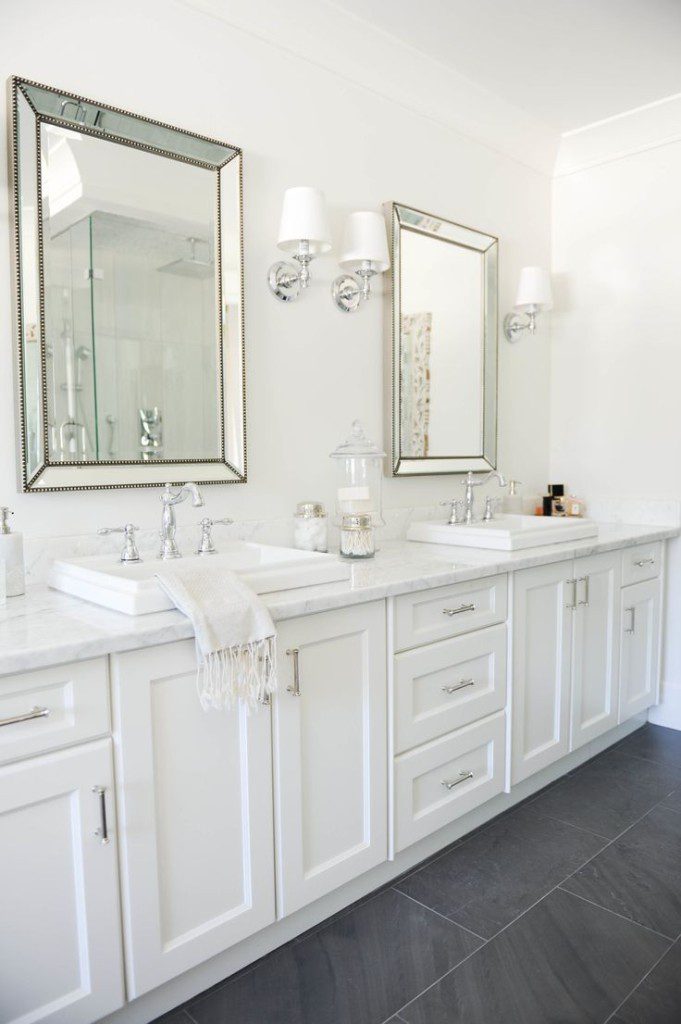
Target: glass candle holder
column 359, row 477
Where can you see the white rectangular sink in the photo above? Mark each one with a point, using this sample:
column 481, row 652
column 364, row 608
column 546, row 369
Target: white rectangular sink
column 506, row 532
column 132, row 588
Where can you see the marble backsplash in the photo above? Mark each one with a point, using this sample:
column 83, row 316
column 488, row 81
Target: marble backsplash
column 40, row 552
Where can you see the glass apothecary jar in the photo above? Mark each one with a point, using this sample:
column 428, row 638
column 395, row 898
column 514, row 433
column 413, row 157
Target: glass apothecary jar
column 309, row 527
column 359, row 477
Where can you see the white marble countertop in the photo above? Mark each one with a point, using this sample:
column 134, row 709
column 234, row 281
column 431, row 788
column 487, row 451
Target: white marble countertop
column 45, row 627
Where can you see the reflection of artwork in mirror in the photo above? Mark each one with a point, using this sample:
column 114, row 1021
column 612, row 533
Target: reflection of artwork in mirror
column 444, row 345
column 130, row 300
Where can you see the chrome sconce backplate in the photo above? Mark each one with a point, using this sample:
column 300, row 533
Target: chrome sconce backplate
column 516, row 323
column 348, row 292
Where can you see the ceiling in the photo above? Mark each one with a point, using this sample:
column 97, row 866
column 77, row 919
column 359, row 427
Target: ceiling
column 568, row 63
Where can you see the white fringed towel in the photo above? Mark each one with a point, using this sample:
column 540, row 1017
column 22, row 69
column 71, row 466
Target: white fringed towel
column 235, row 634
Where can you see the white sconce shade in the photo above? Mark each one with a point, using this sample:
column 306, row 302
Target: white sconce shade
column 303, row 218
column 534, row 290
column 365, row 239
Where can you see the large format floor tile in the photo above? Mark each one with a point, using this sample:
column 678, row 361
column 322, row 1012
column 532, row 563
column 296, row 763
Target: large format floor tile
column 610, row 794
column 487, row 881
column 564, row 962
column 655, row 743
column 639, row 875
column 358, row 970
column 657, row 1000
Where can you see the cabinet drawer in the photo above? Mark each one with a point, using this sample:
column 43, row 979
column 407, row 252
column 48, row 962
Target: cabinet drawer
column 54, row 706
column 437, row 783
column 644, row 562
column 447, row 685
column 449, row 611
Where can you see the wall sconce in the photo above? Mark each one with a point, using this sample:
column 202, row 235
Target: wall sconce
column 303, row 232
column 365, row 251
column 534, row 296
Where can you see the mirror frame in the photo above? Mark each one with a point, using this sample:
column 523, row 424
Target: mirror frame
column 400, row 217
column 114, row 473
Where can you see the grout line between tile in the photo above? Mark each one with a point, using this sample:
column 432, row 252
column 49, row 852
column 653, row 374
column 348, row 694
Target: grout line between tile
column 189, row 1017
column 637, row 985
column 444, row 917
column 630, row 920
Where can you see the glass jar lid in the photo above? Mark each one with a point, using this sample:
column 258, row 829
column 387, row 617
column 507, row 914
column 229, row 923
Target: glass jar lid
column 357, row 444
column 310, row 510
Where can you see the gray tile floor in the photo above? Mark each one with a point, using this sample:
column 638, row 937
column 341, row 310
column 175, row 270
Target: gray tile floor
column 566, row 910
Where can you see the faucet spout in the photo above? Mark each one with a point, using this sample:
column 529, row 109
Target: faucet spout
column 169, row 499
column 470, row 482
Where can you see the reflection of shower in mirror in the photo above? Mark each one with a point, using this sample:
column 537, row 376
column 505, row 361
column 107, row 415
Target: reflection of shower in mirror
column 151, row 438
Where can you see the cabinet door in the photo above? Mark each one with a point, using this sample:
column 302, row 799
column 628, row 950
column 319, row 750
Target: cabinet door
column 542, row 635
column 640, row 664
column 330, row 751
column 195, row 813
column 595, row 647
column 60, row 931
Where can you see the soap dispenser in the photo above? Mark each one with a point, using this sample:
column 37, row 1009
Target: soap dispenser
column 12, row 554
column 513, row 502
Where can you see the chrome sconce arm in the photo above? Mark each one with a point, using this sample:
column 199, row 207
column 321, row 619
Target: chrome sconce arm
column 516, row 323
column 348, row 292
column 286, row 281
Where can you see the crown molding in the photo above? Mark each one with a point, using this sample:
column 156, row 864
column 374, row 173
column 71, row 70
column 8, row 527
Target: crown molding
column 634, row 131
column 351, row 48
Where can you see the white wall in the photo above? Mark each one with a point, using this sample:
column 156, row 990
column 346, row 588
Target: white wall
column 616, row 336
column 311, row 369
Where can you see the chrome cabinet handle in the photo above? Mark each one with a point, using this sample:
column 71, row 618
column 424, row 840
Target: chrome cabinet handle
column 463, row 777
column 294, row 653
column 458, row 686
column 644, row 561
column 102, row 832
column 457, row 611
column 585, row 581
column 36, row 712
column 573, row 584
column 631, row 612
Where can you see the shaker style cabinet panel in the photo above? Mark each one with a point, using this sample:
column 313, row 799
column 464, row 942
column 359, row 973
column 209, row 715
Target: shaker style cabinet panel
column 330, row 759
column 640, row 661
column 542, row 638
column 60, row 932
column 195, row 817
column 595, row 646
column 53, row 707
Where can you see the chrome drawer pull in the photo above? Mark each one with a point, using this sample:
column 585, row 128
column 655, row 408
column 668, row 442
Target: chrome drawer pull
column 457, row 611
column 573, row 584
column 103, row 831
column 632, row 620
column 294, row 652
column 585, row 581
column 458, row 686
column 35, row 712
column 463, row 777
column 644, row 561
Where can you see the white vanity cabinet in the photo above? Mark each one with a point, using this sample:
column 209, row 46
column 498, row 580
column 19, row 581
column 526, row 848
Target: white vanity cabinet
column 595, row 646
column 60, row 933
column 194, row 794
column 565, row 658
column 639, row 670
column 330, row 761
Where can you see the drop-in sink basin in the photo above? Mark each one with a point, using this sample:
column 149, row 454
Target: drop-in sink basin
column 132, row 588
column 506, row 532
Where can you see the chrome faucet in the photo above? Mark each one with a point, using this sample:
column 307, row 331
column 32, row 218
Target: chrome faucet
column 170, row 498
column 470, row 482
